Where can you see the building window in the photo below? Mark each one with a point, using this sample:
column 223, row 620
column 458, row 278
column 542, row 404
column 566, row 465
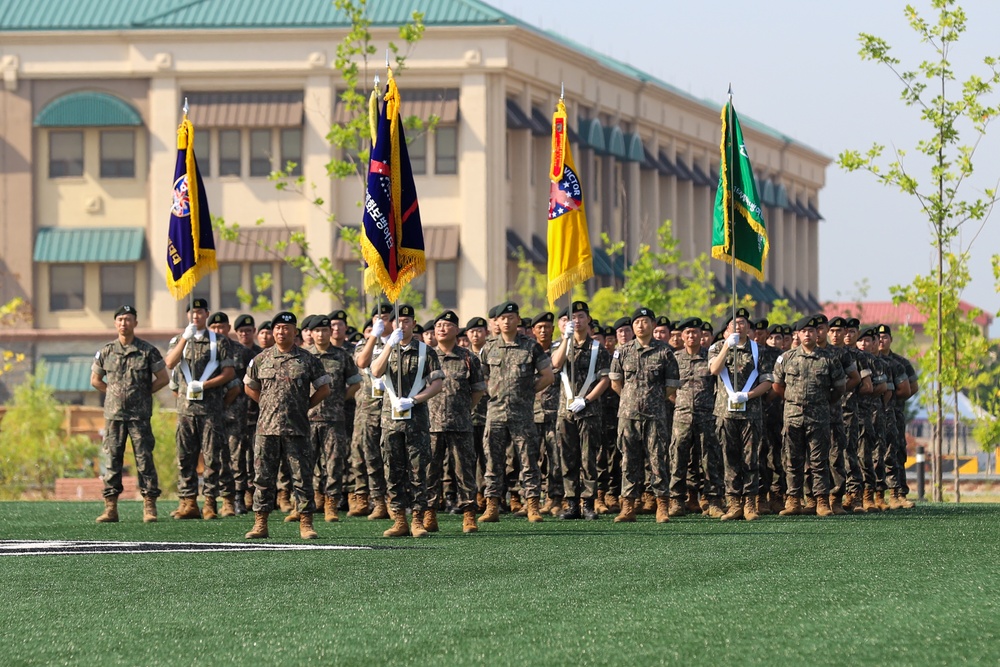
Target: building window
column 230, row 281
column 258, row 269
column 229, row 152
column 291, row 150
column 203, row 152
column 419, row 285
column 65, row 154
column 446, row 150
column 117, row 154
column 446, row 279
column 417, row 149
column 260, row 152
column 291, row 280
column 117, row 286
column 66, row 287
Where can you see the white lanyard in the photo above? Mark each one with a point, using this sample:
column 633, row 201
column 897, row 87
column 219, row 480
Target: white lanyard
column 418, row 383
column 213, row 361
column 753, row 374
column 591, row 372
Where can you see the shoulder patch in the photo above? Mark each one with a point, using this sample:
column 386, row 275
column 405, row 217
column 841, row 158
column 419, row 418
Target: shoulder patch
column 615, row 355
column 250, row 365
column 97, row 355
column 780, row 358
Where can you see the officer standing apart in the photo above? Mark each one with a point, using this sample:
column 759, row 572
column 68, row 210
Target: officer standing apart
column 279, row 380
column 128, row 372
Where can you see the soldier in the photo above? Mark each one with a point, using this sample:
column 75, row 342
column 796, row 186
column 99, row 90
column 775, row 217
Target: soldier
column 128, row 372
column 515, row 369
column 475, row 330
column 662, row 329
column 644, row 373
column 546, row 417
column 327, row 432
column 772, row 473
column 340, row 332
column 241, row 450
column 905, row 390
column 412, row 375
column 265, row 339
column 233, row 416
column 202, row 354
column 279, row 379
column 609, row 461
column 583, row 365
column 744, row 377
column 809, row 381
column 844, row 465
column 870, row 434
column 707, row 334
column 856, row 421
column 451, row 424
column 694, row 429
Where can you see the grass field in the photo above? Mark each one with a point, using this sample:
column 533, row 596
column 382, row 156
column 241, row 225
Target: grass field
column 906, row 588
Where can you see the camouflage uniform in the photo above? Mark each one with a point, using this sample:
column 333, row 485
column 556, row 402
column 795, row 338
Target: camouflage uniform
column 326, row 421
column 406, row 444
column 580, row 433
column 609, row 459
column 546, row 418
column 451, row 427
column 810, row 379
column 878, row 416
column 860, row 426
column 479, row 436
column 510, row 371
column 694, row 430
column 367, row 461
column 234, row 473
column 840, row 459
column 283, row 380
column 646, row 373
column 895, row 424
column 899, row 415
column 199, row 423
column 128, row 405
column 242, row 453
column 772, row 473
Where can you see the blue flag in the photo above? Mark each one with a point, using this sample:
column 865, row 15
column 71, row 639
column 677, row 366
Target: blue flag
column 190, row 245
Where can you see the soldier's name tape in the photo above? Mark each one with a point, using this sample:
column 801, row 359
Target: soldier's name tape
column 91, row 547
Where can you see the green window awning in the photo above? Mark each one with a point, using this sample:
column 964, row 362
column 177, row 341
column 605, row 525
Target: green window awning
column 592, row 133
column 634, row 151
column 614, row 142
column 64, row 373
column 604, row 265
column 88, row 109
column 105, row 244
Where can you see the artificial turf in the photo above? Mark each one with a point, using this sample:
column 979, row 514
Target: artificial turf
column 910, row 587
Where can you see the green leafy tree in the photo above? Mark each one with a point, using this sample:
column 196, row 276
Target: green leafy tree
column 164, row 426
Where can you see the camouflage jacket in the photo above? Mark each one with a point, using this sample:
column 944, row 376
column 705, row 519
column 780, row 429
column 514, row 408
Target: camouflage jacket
column 197, row 354
column 739, row 361
column 451, row 410
column 510, row 370
column 809, row 379
column 645, row 373
column 285, row 382
column 580, row 363
column 695, row 401
column 339, row 365
column 420, row 420
column 547, row 400
column 128, row 371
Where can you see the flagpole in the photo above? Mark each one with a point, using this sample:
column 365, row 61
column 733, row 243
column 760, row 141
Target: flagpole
column 732, row 201
column 186, row 108
column 569, row 295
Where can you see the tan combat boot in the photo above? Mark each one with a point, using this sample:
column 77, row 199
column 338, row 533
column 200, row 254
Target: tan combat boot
column 868, row 501
column 330, row 511
column 750, row 512
column 848, row 502
column 532, row 510
column 228, row 506
column 836, row 505
column 613, row 502
column 648, row 504
column 735, row 509
column 399, row 528
column 546, row 507
column 320, row 500
column 823, row 506
column 763, row 506
column 663, row 509
column 380, row 511
column 809, row 506
column 627, row 514
column 906, row 503
column 716, row 509
column 703, row 505
column 306, row 530
column 880, row 501
column 469, row 522
column 417, row 528
column 674, row 509
column 149, row 510
column 294, row 515
column 777, row 503
column 599, row 504
column 793, row 506
column 259, row 530
column 516, row 506
column 693, row 504
column 430, row 522
column 187, row 508
column 492, row 512
column 248, row 498
column 480, row 502
column 558, row 505
column 284, row 501
column 359, row 506
column 211, row 510
column 894, row 503
column 110, row 514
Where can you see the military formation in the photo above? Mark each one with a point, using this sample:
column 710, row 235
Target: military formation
column 503, row 417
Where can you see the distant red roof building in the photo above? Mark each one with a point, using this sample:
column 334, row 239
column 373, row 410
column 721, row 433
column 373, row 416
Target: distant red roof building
column 886, row 312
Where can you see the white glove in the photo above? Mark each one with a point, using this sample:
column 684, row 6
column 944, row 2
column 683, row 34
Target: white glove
column 577, row 405
column 570, row 329
column 740, row 396
column 378, row 326
column 733, row 339
column 395, row 337
column 189, row 331
column 404, row 404
column 196, row 387
column 378, row 383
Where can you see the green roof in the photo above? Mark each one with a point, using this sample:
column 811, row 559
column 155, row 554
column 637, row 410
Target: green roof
column 105, row 244
column 64, row 373
column 88, row 109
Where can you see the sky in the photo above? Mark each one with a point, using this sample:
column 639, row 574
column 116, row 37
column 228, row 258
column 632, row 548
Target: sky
column 794, row 66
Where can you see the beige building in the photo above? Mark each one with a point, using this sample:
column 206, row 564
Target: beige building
column 91, row 99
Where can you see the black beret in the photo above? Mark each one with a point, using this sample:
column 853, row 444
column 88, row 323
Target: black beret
column 382, row 309
column 418, row 328
column 820, row 319
column 508, row 307
column 266, row 324
column 622, row 322
column 546, row 317
column 579, row 307
column 786, row 329
column 338, row 315
column 563, row 312
column 350, row 331
column 492, row 312
column 690, row 323
column 307, row 322
column 219, row 318
column 642, row 311
column 838, row 323
column 664, row 321
column 883, row 329
column 719, row 336
column 429, row 324
column 853, row 323
column 476, row 323
column 127, row 310
column 776, row 329
column 461, row 333
column 320, row 322
column 448, row 316
column 805, row 322
column 761, row 325
column 609, row 331
column 285, row 317
column 525, row 322
column 743, row 312
column 707, row 326
column 198, row 303
column 355, row 337
column 595, row 325
column 244, row 320
column 868, row 333
column 406, row 310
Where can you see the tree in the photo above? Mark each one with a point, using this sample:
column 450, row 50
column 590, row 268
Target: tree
column 948, row 113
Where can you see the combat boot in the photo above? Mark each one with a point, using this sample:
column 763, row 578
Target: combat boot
column 734, row 510
column 627, row 514
column 793, row 506
column 880, row 501
column 380, row 511
column 110, row 514
column 613, row 503
column 547, row 505
column 693, row 504
column 534, row 516
column 239, row 504
column 469, row 522
column 836, row 505
column 809, row 506
column 187, row 508
column 599, row 506
column 894, row 503
column 648, row 504
column 360, row 506
column 306, row 530
column 674, row 509
column 259, row 530
column 777, row 502
column 716, row 509
column 294, row 515
column 516, row 506
column 430, row 521
column 228, row 507
column 417, row 528
column 480, row 502
column 248, row 499
column 703, row 505
column 589, row 512
column 663, row 509
column 823, row 506
column 399, row 528
column 750, row 512
column 558, row 506
column 905, row 502
column 210, row 510
column 868, row 501
column 763, row 506
column 284, row 500
column 330, row 511
column 573, row 511
column 848, row 502
column 149, row 510
column 492, row 512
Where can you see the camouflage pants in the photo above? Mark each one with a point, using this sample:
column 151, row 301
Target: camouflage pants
column 199, row 434
column 895, row 465
column 838, row 453
column 866, row 445
column 879, row 446
column 329, row 443
column 609, row 460
column 740, row 441
column 113, row 456
column 512, row 469
column 241, row 457
column 854, row 482
column 457, row 447
column 900, row 450
column 367, row 460
column 807, row 442
column 230, row 476
column 580, row 440
column 478, row 440
column 550, row 460
column 268, row 453
column 695, row 443
column 643, row 441
column 406, row 454
column 522, row 437
column 772, row 474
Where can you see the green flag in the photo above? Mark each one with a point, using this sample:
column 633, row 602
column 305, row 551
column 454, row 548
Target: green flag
column 738, row 219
